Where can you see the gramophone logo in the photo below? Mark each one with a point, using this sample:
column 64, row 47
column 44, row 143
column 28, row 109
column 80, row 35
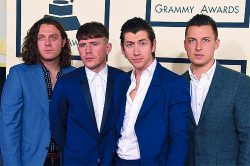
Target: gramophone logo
column 62, row 11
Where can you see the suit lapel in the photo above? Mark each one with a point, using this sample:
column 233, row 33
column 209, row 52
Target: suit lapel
column 38, row 82
column 214, row 90
column 86, row 91
column 153, row 92
column 121, row 101
column 108, row 96
column 187, row 76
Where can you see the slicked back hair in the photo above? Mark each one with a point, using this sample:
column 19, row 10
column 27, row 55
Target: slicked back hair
column 137, row 24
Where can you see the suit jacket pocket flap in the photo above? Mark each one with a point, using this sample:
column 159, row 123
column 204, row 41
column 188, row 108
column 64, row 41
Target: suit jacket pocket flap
column 25, row 146
column 71, row 153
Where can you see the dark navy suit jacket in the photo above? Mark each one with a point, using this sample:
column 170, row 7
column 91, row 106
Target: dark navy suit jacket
column 162, row 123
column 73, row 123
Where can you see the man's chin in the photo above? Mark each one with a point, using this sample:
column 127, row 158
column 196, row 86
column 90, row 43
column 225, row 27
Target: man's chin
column 48, row 59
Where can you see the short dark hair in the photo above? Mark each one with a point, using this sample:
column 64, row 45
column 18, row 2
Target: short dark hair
column 137, row 24
column 29, row 52
column 202, row 19
column 92, row 30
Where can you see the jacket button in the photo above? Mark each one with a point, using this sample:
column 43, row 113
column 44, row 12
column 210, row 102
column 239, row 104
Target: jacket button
column 47, row 148
column 99, row 142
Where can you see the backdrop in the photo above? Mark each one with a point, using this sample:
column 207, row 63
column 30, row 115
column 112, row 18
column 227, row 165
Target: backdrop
column 168, row 19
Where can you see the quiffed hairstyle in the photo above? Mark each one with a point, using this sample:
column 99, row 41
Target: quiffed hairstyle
column 29, row 52
column 92, row 30
column 137, row 24
column 202, row 19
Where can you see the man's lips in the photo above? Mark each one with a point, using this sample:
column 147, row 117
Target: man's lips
column 137, row 59
column 89, row 58
column 48, row 50
column 198, row 55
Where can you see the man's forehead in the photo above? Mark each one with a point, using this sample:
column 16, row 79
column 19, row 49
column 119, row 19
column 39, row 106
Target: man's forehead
column 90, row 39
column 204, row 30
column 201, row 27
column 48, row 28
column 139, row 35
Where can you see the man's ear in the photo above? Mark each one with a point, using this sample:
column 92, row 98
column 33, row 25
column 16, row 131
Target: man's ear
column 154, row 46
column 185, row 45
column 64, row 42
column 217, row 43
column 122, row 49
column 108, row 48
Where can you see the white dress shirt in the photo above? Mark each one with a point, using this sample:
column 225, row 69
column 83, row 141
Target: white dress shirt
column 97, row 85
column 199, row 90
column 128, row 147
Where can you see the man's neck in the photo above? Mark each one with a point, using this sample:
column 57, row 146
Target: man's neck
column 139, row 71
column 52, row 66
column 199, row 70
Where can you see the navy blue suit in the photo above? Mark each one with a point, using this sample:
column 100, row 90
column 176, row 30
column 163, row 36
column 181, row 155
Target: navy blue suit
column 73, row 122
column 162, row 123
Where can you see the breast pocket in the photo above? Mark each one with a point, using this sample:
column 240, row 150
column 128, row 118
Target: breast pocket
column 71, row 153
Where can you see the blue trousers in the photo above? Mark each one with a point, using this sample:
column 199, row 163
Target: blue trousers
column 122, row 162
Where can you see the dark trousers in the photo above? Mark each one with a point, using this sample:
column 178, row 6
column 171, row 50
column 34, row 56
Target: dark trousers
column 48, row 162
column 122, row 162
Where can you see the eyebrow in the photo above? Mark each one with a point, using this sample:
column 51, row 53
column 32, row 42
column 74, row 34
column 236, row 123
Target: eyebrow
column 49, row 35
column 195, row 38
column 133, row 42
column 89, row 42
column 142, row 40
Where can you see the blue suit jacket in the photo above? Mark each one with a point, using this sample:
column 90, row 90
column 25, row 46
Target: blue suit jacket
column 222, row 136
column 24, row 126
column 72, row 116
column 162, row 123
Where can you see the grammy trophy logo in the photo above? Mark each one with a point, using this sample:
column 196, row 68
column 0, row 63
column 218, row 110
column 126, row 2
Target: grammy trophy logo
column 62, row 10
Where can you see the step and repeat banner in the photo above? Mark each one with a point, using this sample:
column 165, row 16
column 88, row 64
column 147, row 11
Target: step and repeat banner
column 167, row 17
column 3, row 21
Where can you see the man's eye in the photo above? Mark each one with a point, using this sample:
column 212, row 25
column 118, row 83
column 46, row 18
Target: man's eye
column 129, row 45
column 94, row 44
column 82, row 45
column 53, row 38
column 206, row 40
column 143, row 43
column 40, row 38
column 191, row 40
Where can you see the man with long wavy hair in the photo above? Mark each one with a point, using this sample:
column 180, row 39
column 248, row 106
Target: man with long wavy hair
column 25, row 136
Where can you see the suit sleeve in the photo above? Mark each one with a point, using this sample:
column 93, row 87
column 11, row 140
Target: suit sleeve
column 178, row 123
column 11, row 117
column 242, row 120
column 58, row 114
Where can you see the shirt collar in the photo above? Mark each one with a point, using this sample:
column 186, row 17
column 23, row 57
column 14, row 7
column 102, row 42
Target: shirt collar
column 46, row 71
column 209, row 74
column 91, row 75
column 149, row 70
